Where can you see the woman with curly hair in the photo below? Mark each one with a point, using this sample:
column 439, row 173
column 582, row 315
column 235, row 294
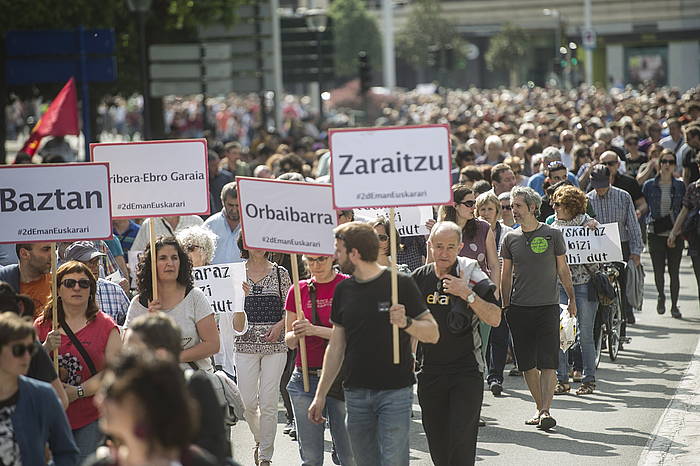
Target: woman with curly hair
column 570, row 210
column 80, row 365
column 179, row 299
column 200, row 244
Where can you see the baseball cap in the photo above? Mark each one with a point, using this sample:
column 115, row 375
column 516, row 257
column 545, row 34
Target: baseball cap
column 83, row 251
column 600, row 177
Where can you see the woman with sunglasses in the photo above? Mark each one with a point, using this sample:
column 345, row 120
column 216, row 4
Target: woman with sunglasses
column 200, row 244
column 650, row 169
column 664, row 194
column 30, row 414
column 85, row 338
column 316, row 298
column 382, row 226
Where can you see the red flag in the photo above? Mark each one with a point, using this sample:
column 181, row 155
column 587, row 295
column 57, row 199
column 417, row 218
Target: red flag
column 60, row 118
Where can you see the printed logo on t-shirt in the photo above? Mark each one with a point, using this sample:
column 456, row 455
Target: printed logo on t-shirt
column 438, row 298
column 539, row 245
column 383, row 306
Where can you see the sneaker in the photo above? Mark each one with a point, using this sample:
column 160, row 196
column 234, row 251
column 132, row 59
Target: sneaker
column 293, row 432
column 334, row 456
column 675, row 313
column 496, row 388
column 288, row 427
column 661, row 305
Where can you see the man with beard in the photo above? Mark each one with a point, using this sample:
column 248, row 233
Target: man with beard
column 32, row 275
column 226, row 226
column 378, row 393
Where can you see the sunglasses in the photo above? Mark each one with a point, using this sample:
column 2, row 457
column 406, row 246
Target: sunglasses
column 467, row 203
column 383, row 237
column 19, row 350
column 506, row 207
column 84, row 283
column 667, row 161
column 611, row 163
column 557, row 204
column 317, row 260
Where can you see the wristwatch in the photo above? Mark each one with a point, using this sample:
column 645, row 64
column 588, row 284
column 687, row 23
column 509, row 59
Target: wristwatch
column 471, row 297
column 81, row 391
column 409, row 322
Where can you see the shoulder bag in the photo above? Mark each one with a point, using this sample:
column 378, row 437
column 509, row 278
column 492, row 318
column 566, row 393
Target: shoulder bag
column 79, row 346
column 336, row 390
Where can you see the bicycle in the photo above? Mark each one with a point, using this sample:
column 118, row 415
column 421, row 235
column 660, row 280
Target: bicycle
column 608, row 322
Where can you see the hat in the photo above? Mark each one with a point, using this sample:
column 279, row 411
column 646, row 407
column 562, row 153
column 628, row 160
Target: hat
column 82, row 251
column 600, row 177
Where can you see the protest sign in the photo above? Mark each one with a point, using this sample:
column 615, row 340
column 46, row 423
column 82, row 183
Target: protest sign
column 62, row 202
column 156, row 178
column 286, row 216
column 390, row 167
column 410, row 221
column 588, row 246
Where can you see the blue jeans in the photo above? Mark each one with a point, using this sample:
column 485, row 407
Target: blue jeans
column 585, row 317
column 378, row 423
column 310, row 435
column 87, row 438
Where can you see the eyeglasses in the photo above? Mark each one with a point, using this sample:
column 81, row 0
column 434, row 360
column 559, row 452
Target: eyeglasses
column 316, row 260
column 611, row 163
column 192, row 247
column 557, row 204
column 19, row 350
column 83, row 283
column 466, row 203
column 383, row 237
column 667, row 161
column 506, row 207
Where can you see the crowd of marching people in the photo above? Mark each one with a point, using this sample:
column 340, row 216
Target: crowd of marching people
column 140, row 377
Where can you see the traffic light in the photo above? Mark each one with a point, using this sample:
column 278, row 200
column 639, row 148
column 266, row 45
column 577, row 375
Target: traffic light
column 365, row 72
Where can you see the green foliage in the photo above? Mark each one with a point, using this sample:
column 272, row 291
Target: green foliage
column 507, row 49
column 354, row 29
column 425, row 28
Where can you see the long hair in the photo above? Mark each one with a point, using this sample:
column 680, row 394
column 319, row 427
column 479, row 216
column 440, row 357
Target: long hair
column 448, row 213
column 68, row 268
column 144, row 285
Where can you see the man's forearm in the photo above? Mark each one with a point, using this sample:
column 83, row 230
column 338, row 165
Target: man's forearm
column 488, row 312
column 424, row 329
column 332, row 361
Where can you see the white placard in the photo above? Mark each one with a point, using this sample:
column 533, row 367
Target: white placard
column 222, row 285
column 156, row 178
column 62, row 202
column 587, row 246
column 410, row 221
column 390, row 167
column 286, row 216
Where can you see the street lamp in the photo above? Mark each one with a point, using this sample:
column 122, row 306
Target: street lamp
column 141, row 7
column 556, row 14
column 316, row 21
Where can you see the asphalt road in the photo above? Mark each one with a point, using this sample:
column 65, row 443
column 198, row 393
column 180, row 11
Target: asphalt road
column 611, row 426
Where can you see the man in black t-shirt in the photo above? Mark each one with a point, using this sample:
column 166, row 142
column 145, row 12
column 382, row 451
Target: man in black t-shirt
column 450, row 385
column 378, row 393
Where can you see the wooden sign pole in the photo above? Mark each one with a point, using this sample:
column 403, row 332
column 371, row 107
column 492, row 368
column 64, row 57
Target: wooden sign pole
column 154, row 257
column 394, row 281
column 54, row 311
column 300, row 316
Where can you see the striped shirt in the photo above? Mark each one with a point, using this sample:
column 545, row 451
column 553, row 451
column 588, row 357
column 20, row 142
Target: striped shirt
column 617, row 206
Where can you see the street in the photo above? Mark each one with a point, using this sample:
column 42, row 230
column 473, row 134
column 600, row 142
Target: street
column 612, row 426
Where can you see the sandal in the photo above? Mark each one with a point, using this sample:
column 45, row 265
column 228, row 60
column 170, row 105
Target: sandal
column 535, row 421
column 547, row 422
column 577, row 376
column 586, row 388
column 562, row 388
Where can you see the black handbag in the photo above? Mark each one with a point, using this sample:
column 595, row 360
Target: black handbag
column 336, row 390
column 663, row 224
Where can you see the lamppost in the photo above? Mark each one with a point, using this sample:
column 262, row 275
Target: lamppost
column 316, row 21
column 141, row 7
column 556, row 14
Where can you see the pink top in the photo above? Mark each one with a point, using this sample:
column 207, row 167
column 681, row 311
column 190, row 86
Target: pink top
column 73, row 370
column 315, row 346
column 475, row 248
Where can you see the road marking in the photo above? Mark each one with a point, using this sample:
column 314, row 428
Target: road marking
column 676, row 433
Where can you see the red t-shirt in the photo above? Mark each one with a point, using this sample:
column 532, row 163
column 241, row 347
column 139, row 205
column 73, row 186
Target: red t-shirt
column 315, row 346
column 73, row 370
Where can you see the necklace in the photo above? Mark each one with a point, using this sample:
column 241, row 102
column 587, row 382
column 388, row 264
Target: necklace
column 529, row 234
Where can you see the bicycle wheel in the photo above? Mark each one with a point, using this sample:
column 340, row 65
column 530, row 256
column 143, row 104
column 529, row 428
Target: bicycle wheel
column 598, row 335
column 614, row 322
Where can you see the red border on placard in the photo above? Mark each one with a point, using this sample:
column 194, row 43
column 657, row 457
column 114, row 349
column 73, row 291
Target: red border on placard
column 240, row 209
column 206, row 168
column 52, row 165
column 390, row 128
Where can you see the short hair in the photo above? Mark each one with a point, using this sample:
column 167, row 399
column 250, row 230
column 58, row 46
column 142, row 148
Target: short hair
column 555, row 166
column 361, row 237
column 607, row 152
column 158, row 330
column 20, row 246
column 604, row 134
column 10, row 301
column 485, row 198
column 529, row 195
column 293, row 162
column 481, row 186
column 571, row 198
column 497, row 170
column 673, row 122
column 201, row 237
column 471, row 173
column 229, row 190
column 446, row 225
column 463, row 155
column 504, row 196
column 692, row 131
column 14, row 327
column 552, row 153
column 212, row 155
column 233, row 145
column 259, row 169
column 493, row 139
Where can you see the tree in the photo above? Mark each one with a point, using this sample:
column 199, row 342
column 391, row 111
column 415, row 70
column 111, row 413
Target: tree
column 507, row 51
column 426, row 32
column 354, row 29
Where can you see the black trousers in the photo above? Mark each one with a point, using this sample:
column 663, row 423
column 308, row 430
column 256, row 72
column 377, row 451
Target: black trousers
column 696, row 269
column 497, row 351
column 286, row 376
column 664, row 258
column 450, row 406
